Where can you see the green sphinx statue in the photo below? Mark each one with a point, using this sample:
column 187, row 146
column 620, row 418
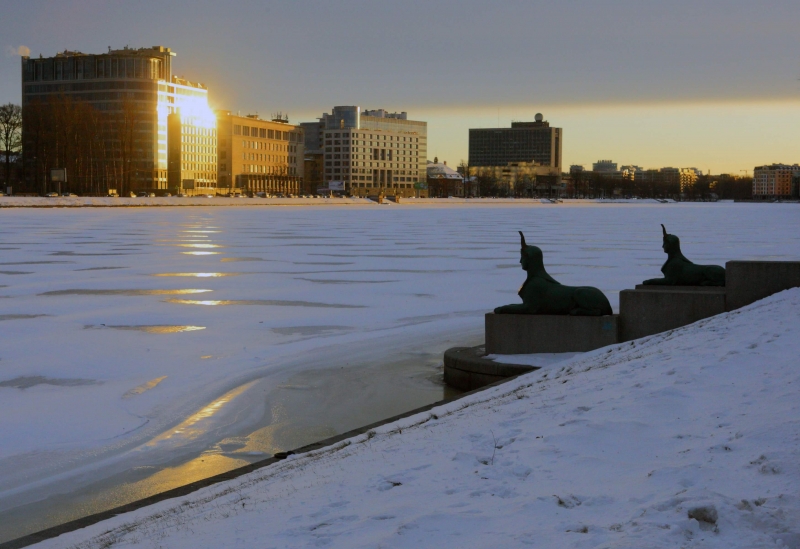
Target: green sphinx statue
column 679, row 271
column 543, row 295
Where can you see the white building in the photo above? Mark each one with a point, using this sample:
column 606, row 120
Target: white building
column 374, row 152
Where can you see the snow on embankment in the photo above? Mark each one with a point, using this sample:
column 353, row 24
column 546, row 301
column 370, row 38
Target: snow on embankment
column 614, row 449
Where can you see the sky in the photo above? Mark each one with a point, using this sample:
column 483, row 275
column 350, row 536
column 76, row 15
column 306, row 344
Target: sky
column 711, row 84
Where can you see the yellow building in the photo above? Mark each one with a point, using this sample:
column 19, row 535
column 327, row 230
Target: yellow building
column 258, row 155
column 192, row 141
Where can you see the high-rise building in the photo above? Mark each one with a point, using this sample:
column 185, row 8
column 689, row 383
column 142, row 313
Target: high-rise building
column 776, row 181
column 529, row 142
column 133, row 113
column 371, row 152
column 258, row 155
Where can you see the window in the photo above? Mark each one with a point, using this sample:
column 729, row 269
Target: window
column 262, row 133
column 246, row 130
column 237, row 129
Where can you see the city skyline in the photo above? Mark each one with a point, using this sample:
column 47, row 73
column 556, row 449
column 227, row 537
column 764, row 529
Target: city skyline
column 681, row 85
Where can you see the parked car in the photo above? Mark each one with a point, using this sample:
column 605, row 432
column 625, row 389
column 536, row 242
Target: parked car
column 52, row 195
column 69, row 194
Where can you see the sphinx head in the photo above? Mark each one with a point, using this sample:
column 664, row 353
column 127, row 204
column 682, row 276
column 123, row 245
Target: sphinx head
column 531, row 257
column 672, row 244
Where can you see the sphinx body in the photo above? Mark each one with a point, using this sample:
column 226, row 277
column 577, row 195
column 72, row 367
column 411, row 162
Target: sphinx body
column 543, row 295
column 679, row 271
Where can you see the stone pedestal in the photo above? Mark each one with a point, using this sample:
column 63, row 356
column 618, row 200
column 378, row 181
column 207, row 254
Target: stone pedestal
column 648, row 310
column 526, row 334
column 749, row 281
column 466, row 369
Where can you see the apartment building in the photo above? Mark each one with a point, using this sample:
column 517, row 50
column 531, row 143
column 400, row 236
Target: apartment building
column 776, row 181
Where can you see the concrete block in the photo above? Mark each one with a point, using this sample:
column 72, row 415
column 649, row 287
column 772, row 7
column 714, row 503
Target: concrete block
column 749, row 281
column 466, row 369
column 650, row 310
column 525, row 334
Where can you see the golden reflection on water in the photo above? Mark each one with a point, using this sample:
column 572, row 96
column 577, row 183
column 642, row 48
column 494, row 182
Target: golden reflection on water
column 200, row 246
column 204, row 466
column 201, row 253
column 125, row 292
column 160, row 329
column 197, row 302
column 198, row 275
column 144, row 387
column 188, row 428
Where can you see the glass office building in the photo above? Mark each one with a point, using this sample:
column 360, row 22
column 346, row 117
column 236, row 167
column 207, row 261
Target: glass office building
column 142, row 115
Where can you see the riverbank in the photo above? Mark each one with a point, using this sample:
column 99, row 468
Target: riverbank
column 126, row 202
column 682, row 438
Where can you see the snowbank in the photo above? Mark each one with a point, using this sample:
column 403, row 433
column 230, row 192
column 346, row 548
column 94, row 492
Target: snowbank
column 614, row 448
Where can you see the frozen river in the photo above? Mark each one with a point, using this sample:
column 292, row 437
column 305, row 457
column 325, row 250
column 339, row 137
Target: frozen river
column 141, row 349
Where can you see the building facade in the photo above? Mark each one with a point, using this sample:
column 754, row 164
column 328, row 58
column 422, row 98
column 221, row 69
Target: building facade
column 120, row 102
column 372, row 152
column 776, row 181
column 529, row 142
column 444, row 181
column 258, row 155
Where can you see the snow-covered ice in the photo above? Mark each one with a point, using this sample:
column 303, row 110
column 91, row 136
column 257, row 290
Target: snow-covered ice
column 130, row 335
column 688, row 438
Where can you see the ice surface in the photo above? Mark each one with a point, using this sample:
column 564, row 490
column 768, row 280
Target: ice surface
column 443, row 263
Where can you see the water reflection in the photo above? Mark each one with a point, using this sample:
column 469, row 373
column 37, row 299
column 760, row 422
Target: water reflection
column 199, row 275
column 144, row 387
column 200, row 246
column 200, row 253
column 124, row 292
column 192, row 426
column 267, row 302
column 148, row 328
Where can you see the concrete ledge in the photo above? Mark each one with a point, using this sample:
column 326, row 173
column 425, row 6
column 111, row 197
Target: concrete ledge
column 649, row 310
column 527, row 334
column 466, row 369
column 749, row 281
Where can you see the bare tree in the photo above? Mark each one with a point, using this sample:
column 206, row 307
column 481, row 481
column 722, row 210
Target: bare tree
column 10, row 134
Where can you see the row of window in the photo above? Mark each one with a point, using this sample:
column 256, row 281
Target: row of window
column 264, row 133
column 266, row 158
column 88, row 67
column 330, row 135
column 276, row 170
column 370, row 185
column 268, row 146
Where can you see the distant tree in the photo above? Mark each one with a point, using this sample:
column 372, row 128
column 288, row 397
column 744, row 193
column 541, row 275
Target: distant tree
column 10, row 134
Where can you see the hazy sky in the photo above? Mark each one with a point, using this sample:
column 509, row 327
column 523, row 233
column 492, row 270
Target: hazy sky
column 707, row 84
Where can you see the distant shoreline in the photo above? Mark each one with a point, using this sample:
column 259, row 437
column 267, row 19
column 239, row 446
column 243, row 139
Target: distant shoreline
column 109, row 202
